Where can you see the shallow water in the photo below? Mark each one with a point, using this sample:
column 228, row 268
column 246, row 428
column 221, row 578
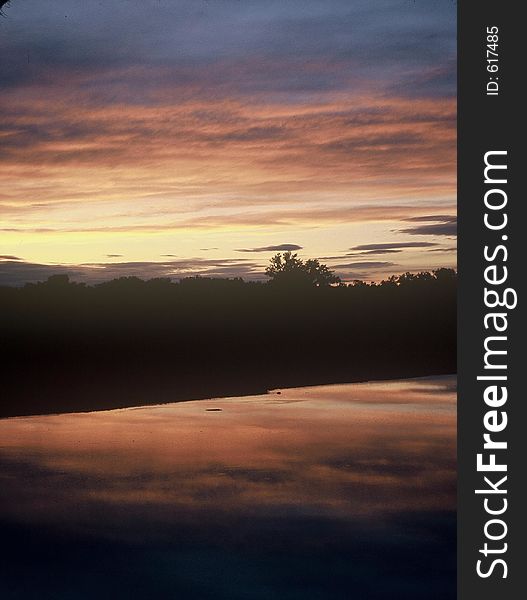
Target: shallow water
column 331, row 492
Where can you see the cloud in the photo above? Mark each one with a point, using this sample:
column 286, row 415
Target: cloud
column 392, row 246
column 400, row 140
column 424, row 218
column 388, row 248
column 364, row 265
column 443, row 250
column 446, row 225
column 9, row 257
column 14, row 273
column 18, row 273
column 373, row 252
column 436, row 81
column 278, row 248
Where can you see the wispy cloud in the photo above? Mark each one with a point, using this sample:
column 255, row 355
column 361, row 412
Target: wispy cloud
column 278, row 248
column 442, row 225
column 365, row 265
column 391, row 246
column 443, row 250
column 9, row 257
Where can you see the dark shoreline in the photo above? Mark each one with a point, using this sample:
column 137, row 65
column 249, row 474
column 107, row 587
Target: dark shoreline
column 133, row 400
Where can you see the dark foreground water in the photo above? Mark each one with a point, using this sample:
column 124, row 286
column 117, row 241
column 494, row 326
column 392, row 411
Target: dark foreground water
column 323, row 493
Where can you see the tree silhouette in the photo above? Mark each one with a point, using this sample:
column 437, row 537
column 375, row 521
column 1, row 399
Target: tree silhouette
column 288, row 269
column 443, row 275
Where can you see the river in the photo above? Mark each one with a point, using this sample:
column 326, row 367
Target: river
column 329, row 492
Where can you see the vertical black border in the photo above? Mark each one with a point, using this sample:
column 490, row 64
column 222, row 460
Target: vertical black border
column 489, row 123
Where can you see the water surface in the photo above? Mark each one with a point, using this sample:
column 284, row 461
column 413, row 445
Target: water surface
column 330, row 492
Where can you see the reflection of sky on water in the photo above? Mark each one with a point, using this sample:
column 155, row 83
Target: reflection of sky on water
column 307, row 494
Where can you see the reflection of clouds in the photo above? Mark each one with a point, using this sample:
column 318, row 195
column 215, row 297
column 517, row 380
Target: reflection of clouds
column 303, row 495
column 350, row 452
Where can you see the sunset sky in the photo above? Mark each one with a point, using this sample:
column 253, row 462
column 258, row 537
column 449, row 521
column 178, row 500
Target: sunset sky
column 183, row 137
